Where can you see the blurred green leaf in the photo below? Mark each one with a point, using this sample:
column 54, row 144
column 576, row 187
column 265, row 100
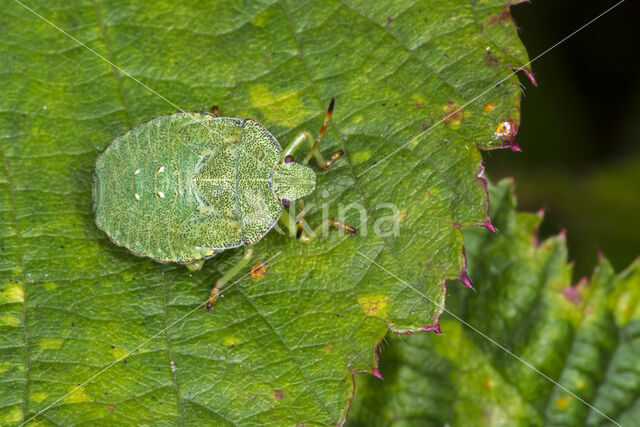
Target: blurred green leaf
column 281, row 349
column 596, row 205
column 586, row 337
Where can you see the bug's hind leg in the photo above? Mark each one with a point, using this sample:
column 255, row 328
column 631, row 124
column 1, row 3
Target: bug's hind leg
column 228, row 275
column 314, row 152
column 319, row 229
column 296, row 227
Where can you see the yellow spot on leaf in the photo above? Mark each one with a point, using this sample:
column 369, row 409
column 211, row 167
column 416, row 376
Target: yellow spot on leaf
column 358, row 118
column 431, row 192
column 488, row 107
column 50, row 286
column 262, row 19
column 374, row 305
column 9, row 319
column 419, row 99
column 77, row 396
column 284, row 108
column 38, row 397
column 118, row 352
column 503, row 129
column 328, row 348
column 13, row 416
column 230, row 341
column 3, row 367
column 562, row 403
column 50, row 343
column 12, row 293
column 361, row 156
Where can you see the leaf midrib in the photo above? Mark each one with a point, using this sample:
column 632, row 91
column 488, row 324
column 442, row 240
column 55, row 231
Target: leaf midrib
column 18, row 236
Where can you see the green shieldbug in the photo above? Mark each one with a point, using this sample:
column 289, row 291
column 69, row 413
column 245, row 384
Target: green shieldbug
column 186, row 186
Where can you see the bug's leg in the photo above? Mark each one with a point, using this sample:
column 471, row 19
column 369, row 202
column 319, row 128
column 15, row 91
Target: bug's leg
column 322, row 163
column 331, row 222
column 300, row 138
column 228, row 275
column 294, row 226
column 195, row 265
column 215, row 110
column 313, row 152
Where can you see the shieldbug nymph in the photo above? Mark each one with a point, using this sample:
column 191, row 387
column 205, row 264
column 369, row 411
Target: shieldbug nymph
column 184, row 187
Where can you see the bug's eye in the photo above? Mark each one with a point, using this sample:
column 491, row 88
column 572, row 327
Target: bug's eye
column 286, row 203
column 288, row 159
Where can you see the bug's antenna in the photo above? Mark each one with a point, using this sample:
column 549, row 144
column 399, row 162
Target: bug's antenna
column 323, row 129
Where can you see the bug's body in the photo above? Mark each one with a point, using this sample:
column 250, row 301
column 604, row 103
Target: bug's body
column 185, row 186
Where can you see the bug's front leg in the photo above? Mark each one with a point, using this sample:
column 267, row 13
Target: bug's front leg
column 313, row 151
column 222, row 281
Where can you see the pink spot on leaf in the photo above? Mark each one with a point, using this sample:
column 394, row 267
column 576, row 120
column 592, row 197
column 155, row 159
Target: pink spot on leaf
column 432, row 328
column 464, row 278
column 376, row 373
column 487, row 224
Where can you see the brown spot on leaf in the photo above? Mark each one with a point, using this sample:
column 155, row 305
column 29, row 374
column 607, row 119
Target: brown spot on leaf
column 504, row 16
column 258, row 270
column 403, row 215
column 453, row 114
column 490, row 59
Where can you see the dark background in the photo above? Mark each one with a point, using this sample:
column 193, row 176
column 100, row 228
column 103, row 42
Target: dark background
column 580, row 130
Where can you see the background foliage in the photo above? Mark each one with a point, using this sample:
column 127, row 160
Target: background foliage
column 585, row 336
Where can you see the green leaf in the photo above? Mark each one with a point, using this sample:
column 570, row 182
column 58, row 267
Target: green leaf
column 283, row 348
column 585, row 337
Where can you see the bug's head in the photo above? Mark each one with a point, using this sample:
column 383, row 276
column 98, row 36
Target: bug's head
column 292, row 181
